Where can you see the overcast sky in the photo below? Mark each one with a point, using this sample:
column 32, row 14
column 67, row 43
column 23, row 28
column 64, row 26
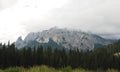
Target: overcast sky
column 19, row 17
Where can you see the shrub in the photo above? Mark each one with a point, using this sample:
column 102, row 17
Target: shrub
column 42, row 68
column 67, row 69
column 112, row 70
column 1, row 70
column 15, row 69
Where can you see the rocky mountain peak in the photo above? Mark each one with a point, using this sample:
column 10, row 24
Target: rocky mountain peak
column 69, row 39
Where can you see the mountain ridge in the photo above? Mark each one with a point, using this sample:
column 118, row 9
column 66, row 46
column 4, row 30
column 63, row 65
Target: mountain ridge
column 70, row 39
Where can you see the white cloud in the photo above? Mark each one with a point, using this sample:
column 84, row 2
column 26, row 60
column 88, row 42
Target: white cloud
column 6, row 3
column 19, row 17
column 97, row 16
column 13, row 20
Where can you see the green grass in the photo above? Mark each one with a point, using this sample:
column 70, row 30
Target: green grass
column 44, row 68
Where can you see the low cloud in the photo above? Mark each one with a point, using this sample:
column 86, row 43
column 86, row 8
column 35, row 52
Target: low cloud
column 96, row 16
column 7, row 3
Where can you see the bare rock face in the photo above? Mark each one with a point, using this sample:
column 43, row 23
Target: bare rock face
column 19, row 43
column 63, row 38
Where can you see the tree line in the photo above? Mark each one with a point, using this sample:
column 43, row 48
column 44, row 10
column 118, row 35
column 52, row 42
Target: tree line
column 102, row 58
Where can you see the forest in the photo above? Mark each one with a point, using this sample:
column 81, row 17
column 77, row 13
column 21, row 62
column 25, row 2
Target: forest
column 103, row 58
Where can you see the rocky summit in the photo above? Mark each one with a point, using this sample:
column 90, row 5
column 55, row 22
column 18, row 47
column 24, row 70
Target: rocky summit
column 62, row 38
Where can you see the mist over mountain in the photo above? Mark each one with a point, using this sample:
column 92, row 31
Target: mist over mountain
column 62, row 38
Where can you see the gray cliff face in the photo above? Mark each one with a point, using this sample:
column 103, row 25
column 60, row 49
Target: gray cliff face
column 19, row 43
column 63, row 38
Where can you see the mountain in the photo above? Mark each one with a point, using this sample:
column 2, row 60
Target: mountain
column 62, row 38
column 113, row 49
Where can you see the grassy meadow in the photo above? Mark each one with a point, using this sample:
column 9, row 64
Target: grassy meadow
column 44, row 68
